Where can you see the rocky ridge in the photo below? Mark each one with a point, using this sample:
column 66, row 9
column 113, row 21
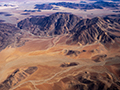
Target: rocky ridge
column 55, row 24
column 7, row 34
column 82, row 31
column 97, row 29
column 17, row 76
column 90, row 81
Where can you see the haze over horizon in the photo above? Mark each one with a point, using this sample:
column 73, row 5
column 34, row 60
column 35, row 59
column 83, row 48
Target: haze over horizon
column 36, row 0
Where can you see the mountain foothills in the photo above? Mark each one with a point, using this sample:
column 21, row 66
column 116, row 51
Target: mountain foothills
column 10, row 35
column 61, row 52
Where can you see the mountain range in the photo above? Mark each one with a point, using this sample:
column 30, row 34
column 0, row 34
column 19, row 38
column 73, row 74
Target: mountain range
column 84, row 31
column 61, row 52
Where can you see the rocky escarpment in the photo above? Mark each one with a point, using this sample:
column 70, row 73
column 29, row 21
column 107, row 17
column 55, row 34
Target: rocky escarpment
column 85, row 31
column 10, row 35
column 17, row 76
column 55, row 24
column 98, row 29
column 7, row 34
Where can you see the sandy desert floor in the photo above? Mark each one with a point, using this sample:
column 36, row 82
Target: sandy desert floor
column 48, row 54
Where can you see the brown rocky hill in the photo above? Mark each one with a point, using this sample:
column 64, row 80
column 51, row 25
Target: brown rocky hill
column 7, row 34
column 85, row 31
column 11, row 35
column 87, row 81
column 17, row 76
column 99, row 29
column 55, row 24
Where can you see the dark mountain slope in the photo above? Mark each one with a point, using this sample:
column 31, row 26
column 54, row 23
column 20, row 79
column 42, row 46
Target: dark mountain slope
column 7, row 34
column 84, row 31
column 55, row 24
column 97, row 29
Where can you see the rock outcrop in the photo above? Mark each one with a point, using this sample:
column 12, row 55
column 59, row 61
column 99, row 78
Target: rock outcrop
column 17, row 76
column 71, row 52
column 69, row 64
column 7, row 34
column 99, row 58
column 88, row 81
column 98, row 29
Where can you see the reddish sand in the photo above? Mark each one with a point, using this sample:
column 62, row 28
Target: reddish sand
column 47, row 54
